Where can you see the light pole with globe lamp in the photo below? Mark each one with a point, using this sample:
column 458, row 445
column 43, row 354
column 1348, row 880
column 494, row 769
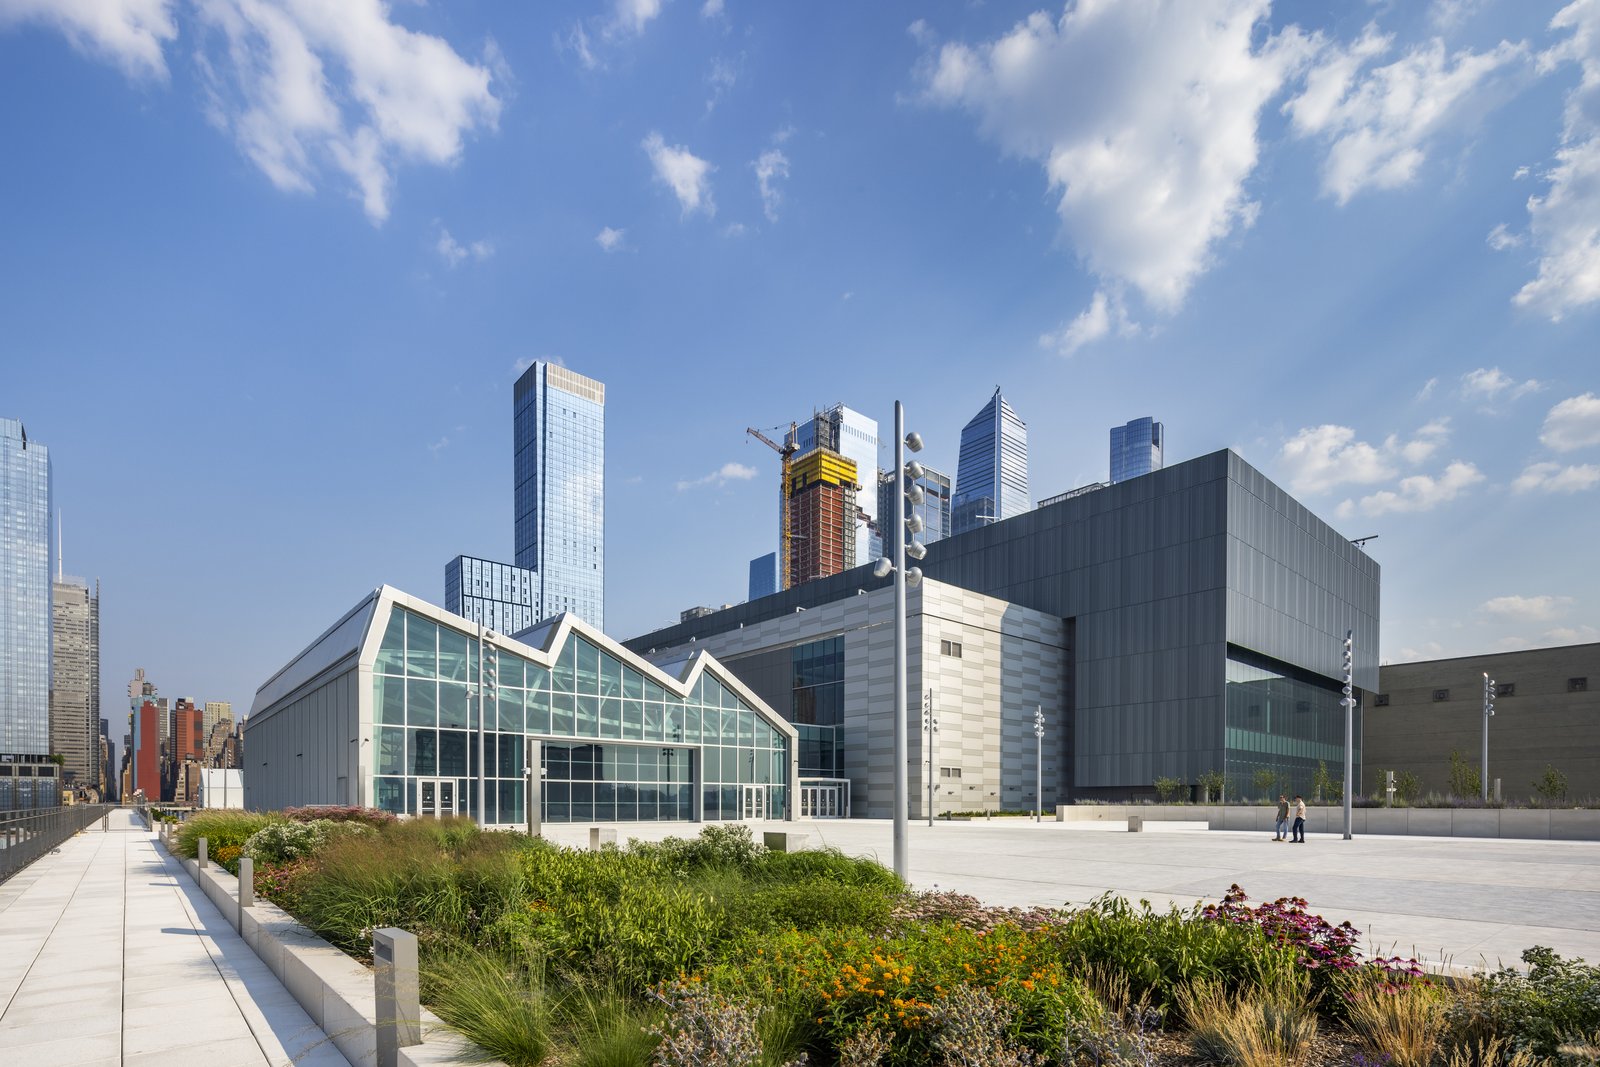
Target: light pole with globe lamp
column 910, row 493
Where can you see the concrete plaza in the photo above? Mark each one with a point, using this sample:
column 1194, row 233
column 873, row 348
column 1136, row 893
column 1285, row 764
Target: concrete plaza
column 1462, row 902
column 111, row 957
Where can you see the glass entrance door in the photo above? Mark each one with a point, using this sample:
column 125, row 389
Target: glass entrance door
column 822, row 802
column 755, row 802
column 436, row 797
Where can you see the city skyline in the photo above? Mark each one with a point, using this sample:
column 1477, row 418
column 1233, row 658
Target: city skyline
column 271, row 380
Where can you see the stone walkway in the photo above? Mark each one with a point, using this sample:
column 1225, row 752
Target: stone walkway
column 111, row 957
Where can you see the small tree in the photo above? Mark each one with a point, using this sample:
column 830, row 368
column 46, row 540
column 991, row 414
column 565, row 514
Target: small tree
column 1264, row 778
column 1168, row 788
column 1210, row 784
column 1464, row 778
column 1551, row 785
column 1321, row 782
column 1407, row 787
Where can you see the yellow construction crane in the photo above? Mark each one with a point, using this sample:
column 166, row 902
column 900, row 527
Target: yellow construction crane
column 785, row 453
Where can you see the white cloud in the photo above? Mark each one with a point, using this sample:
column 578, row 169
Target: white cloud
column 1319, row 458
column 728, row 472
column 735, row 229
column 1571, row 635
column 129, row 33
column 1379, row 124
column 721, row 78
column 1573, row 424
column 439, row 446
column 1520, row 173
column 1554, row 478
column 1490, row 382
column 632, row 16
column 1427, row 389
column 1530, row 608
column 920, row 32
column 1500, row 238
column 1564, row 223
column 522, row 364
column 1422, row 492
column 1144, row 117
column 304, row 84
column 627, row 19
column 711, row 9
column 1105, row 314
column 686, row 174
column 454, row 253
column 1431, row 650
column 608, row 239
column 771, row 166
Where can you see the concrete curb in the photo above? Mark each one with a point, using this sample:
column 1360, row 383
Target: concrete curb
column 1528, row 824
column 335, row 990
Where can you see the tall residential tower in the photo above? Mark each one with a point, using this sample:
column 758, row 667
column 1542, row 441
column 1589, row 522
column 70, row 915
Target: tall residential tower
column 25, row 621
column 559, row 436
column 75, row 680
column 1135, row 449
column 992, row 469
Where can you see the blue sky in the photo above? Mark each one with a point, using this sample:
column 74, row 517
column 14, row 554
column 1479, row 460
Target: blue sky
column 268, row 268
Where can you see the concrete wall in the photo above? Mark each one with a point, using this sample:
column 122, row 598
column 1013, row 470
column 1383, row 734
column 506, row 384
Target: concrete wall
column 1524, row 823
column 1012, row 660
column 1544, row 722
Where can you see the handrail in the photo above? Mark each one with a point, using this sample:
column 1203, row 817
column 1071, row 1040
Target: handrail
column 25, row 836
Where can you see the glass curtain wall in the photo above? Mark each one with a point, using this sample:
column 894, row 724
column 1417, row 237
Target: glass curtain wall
column 425, row 727
column 1283, row 722
column 817, row 710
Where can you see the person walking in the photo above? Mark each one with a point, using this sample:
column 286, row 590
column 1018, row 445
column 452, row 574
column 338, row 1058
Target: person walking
column 1299, row 819
column 1283, row 819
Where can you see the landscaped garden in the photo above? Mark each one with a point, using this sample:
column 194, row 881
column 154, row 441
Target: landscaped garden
column 715, row 951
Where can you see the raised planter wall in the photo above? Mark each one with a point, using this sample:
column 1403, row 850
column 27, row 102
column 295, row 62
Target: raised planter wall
column 1525, row 823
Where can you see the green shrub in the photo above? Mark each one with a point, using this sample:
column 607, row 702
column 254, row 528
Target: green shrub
column 1256, row 1027
column 604, row 1027
column 1168, row 789
column 1162, row 951
column 502, row 1012
column 824, row 865
column 280, row 842
column 1557, row 1001
column 221, row 828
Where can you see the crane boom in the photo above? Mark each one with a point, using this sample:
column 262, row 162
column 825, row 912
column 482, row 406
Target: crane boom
column 785, row 452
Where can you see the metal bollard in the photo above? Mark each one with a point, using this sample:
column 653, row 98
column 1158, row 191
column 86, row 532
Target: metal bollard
column 247, row 882
column 201, row 854
column 399, row 1000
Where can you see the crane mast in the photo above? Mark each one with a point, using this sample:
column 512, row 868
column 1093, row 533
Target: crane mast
column 785, row 453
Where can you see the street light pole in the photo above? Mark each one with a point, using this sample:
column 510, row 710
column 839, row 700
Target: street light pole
column 1038, row 766
column 901, row 829
column 1488, row 713
column 930, row 723
column 1349, row 726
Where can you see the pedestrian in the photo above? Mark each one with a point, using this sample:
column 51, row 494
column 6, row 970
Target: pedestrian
column 1299, row 819
column 1283, row 819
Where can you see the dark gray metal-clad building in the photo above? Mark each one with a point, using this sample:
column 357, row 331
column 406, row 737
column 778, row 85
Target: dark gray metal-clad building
column 1205, row 611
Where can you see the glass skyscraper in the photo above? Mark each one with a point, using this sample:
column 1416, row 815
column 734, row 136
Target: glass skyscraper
column 992, row 469
column 25, row 622
column 934, row 509
column 765, row 576
column 559, row 441
column 1135, row 449
column 497, row 595
column 75, row 681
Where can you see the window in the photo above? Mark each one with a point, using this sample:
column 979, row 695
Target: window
column 950, row 648
column 1441, row 695
column 1577, row 685
column 1381, row 700
column 1505, row 689
column 949, row 772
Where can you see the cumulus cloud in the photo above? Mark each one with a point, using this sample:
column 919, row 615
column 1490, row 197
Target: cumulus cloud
column 454, row 253
column 1105, row 314
column 728, row 472
column 1501, row 238
column 1419, row 492
column 1571, row 635
column 1379, row 123
column 1144, row 117
column 771, row 167
column 724, row 74
column 1532, row 608
column 625, row 20
column 686, row 174
column 303, row 85
column 1489, row 382
column 130, row 33
column 1564, row 222
column 711, row 9
column 1319, row 458
column 608, row 239
column 1573, row 424
column 1554, row 478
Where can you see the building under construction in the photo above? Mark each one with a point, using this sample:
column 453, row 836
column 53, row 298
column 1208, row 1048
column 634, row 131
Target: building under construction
column 820, row 495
